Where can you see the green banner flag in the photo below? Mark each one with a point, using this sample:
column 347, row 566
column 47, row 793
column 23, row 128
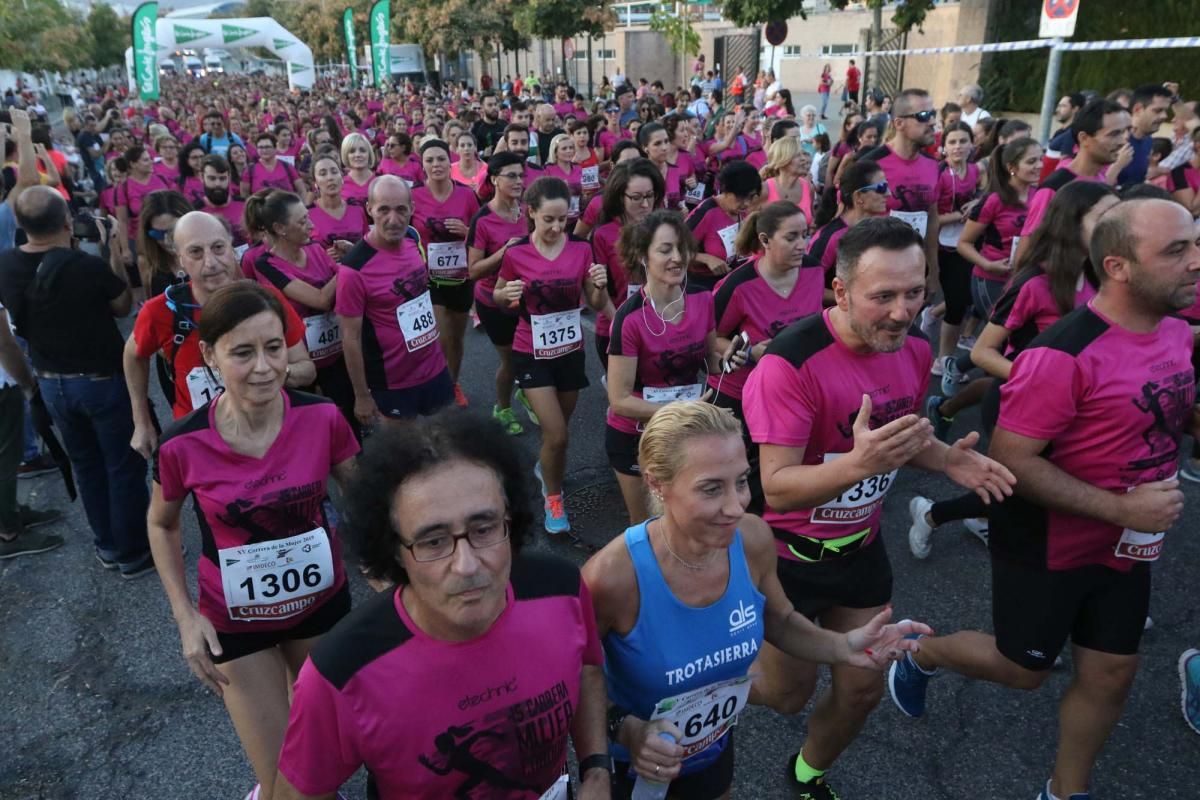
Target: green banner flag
column 351, row 55
column 380, row 20
column 233, row 33
column 184, row 34
column 145, row 50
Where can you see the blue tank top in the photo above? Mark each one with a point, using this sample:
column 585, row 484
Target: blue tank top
column 675, row 648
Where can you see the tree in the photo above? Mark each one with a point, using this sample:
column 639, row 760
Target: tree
column 109, row 36
column 560, row 19
column 908, row 15
column 678, row 31
column 45, row 35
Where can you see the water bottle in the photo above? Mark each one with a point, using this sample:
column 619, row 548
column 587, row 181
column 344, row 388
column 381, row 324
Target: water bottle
column 646, row 789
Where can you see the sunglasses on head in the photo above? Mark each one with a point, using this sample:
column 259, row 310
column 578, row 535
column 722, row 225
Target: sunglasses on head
column 878, row 188
column 921, row 116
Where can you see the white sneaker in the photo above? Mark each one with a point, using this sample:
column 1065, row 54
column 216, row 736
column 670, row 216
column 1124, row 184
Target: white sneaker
column 919, row 533
column 1149, row 623
column 979, row 527
column 937, row 370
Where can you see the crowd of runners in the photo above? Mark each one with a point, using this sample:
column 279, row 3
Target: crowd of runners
column 770, row 301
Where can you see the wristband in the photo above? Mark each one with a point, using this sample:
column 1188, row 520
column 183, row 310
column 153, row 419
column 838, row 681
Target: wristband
column 596, row 761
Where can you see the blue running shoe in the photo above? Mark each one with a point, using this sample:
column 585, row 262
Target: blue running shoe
column 556, row 521
column 941, row 425
column 1044, row 794
column 952, row 377
column 907, row 683
column 1189, row 676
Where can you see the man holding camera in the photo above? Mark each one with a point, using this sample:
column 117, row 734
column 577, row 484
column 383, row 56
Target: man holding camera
column 64, row 303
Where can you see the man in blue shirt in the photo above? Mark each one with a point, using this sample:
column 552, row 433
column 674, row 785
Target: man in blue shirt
column 217, row 139
column 625, row 97
column 1149, row 111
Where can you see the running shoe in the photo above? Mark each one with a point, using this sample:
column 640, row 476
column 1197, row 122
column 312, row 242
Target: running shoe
column 254, row 793
column 41, row 465
column 1189, row 678
column 921, row 530
column 508, row 419
column 460, row 399
column 966, row 343
column 929, row 322
column 139, row 570
column 1190, row 471
column 979, row 527
column 27, row 544
column 32, row 518
column 1045, row 794
column 952, row 378
column 941, row 425
column 475, row 322
column 937, row 370
column 107, row 563
column 907, row 683
column 1149, row 624
column 524, row 401
column 816, row 789
column 556, row 515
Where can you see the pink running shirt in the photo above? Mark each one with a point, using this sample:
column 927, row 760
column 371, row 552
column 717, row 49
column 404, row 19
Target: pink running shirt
column 551, row 286
column 806, row 393
column 243, row 500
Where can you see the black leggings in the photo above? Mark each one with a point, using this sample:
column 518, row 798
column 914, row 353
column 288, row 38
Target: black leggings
column 971, row 505
column 955, row 274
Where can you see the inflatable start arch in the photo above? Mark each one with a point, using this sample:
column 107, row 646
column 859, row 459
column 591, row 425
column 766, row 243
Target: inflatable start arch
column 231, row 34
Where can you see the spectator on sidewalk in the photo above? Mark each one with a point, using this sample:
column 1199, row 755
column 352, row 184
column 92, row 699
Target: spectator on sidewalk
column 64, row 302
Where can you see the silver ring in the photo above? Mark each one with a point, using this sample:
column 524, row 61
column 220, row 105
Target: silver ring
column 657, row 769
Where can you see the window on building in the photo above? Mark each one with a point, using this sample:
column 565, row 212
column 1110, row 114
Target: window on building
column 791, row 51
column 837, row 49
column 598, row 53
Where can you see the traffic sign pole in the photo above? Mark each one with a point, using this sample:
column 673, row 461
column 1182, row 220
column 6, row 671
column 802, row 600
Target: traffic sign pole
column 1050, row 90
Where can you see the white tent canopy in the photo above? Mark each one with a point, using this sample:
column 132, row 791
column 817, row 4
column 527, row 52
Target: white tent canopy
column 235, row 34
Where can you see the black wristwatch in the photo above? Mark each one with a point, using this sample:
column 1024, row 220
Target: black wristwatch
column 616, row 718
column 596, row 761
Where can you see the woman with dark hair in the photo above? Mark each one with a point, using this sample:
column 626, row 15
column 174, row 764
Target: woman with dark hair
column 1053, row 278
column 497, row 226
column 157, row 261
column 662, row 347
column 776, row 286
column 847, row 143
column 257, row 460
column 716, row 221
column 656, row 144
column 958, row 184
column 191, row 178
column 166, row 165
column 546, row 276
column 337, row 225
column 306, row 275
column 441, row 209
column 129, row 198
column 634, row 189
column 239, row 164
column 623, row 151
column 863, row 193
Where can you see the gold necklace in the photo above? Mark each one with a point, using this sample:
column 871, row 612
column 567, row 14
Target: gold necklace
column 667, row 543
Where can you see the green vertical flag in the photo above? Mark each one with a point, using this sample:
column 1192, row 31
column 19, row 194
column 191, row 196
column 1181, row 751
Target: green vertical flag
column 381, row 22
column 351, row 55
column 145, row 50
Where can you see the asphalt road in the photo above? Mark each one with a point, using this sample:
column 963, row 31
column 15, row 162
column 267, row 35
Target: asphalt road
column 97, row 703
